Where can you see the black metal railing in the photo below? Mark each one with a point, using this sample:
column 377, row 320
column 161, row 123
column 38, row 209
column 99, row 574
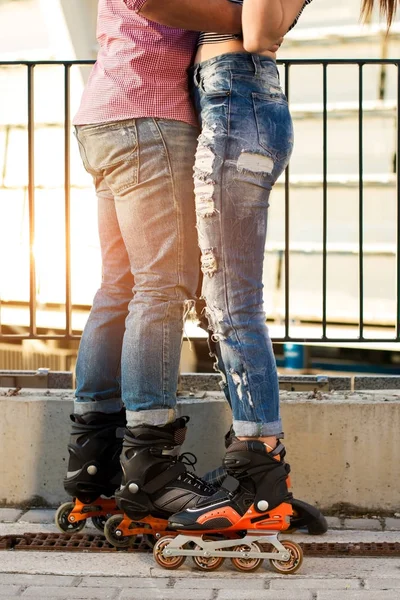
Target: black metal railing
column 67, row 333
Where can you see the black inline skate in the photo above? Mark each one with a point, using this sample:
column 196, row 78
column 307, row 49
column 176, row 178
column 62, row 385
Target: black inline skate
column 155, row 483
column 94, row 470
column 305, row 515
column 242, row 520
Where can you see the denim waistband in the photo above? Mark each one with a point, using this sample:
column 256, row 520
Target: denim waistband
column 243, row 61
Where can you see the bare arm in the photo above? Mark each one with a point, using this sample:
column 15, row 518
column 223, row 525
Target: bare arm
column 221, row 16
column 264, row 21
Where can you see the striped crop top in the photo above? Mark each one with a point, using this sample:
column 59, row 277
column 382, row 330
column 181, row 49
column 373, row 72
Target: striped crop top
column 214, row 38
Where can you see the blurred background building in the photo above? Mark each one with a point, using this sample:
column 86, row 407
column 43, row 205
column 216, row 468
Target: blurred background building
column 59, row 30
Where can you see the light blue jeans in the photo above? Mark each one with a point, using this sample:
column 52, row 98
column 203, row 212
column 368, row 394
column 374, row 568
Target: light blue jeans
column 130, row 348
column 245, row 144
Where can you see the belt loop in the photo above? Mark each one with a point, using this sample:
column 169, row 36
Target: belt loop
column 256, row 62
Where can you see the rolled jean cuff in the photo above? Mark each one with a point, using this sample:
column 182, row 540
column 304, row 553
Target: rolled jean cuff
column 112, row 405
column 252, row 429
column 156, row 418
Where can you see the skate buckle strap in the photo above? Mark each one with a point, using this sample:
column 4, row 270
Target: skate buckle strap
column 230, row 484
column 277, row 450
column 164, row 478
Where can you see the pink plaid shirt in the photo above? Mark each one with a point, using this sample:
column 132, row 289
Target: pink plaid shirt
column 140, row 69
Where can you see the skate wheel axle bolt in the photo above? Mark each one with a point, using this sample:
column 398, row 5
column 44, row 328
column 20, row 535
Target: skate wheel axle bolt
column 133, row 488
column 92, row 470
column 71, row 518
column 262, row 506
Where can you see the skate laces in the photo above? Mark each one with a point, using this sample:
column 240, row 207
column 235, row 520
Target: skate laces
column 189, row 459
column 196, row 482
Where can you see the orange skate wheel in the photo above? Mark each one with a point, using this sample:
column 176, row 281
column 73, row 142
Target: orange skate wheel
column 286, row 567
column 247, row 565
column 167, row 562
column 207, row 563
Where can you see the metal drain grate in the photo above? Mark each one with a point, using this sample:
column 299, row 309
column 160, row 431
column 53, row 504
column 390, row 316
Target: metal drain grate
column 67, row 542
column 343, row 549
column 78, row 542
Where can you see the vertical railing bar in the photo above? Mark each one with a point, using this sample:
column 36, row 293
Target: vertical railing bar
column 31, row 202
column 361, row 198
column 287, row 64
column 325, row 201
column 67, row 196
column 398, row 203
column 287, row 222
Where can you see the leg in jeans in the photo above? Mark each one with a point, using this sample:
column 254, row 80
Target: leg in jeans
column 245, row 144
column 146, row 215
column 99, row 359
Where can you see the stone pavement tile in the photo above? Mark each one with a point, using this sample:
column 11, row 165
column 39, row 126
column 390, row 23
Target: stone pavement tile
column 167, row 594
column 205, row 582
column 358, row 595
column 392, row 524
column 289, row 583
column 126, row 582
column 9, row 591
column 263, row 595
column 78, row 563
column 20, row 528
column 11, row 515
column 37, row 515
column 346, row 535
column 24, row 579
column 334, row 523
column 385, row 583
column 70, row 593
column 363, row 524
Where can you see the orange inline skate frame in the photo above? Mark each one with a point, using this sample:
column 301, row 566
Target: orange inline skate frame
column 243, row 542
column 122, row 532
column 71, row 517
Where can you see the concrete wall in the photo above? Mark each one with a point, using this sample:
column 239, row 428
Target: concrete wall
column 344, row 447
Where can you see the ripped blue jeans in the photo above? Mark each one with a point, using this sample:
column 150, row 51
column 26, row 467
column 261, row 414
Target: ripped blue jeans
column 245, row 144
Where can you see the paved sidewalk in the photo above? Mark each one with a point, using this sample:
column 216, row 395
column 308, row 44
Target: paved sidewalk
column 121, row 576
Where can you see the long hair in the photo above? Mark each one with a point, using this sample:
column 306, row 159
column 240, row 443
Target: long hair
column 387, row 8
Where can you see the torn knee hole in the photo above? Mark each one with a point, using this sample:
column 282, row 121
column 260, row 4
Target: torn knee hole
column 242, row 386
column 256, row 163
column 205, row 158
column 208, row 263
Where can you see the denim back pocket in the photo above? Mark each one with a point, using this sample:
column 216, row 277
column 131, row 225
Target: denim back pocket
column 110, row 151
column 215, row 83
column 274, row 125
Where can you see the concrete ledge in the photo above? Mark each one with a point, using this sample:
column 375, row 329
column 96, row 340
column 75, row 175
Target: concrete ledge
column 42, row 378
column 373, row 382
column 342, row 446
column 210, row 381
